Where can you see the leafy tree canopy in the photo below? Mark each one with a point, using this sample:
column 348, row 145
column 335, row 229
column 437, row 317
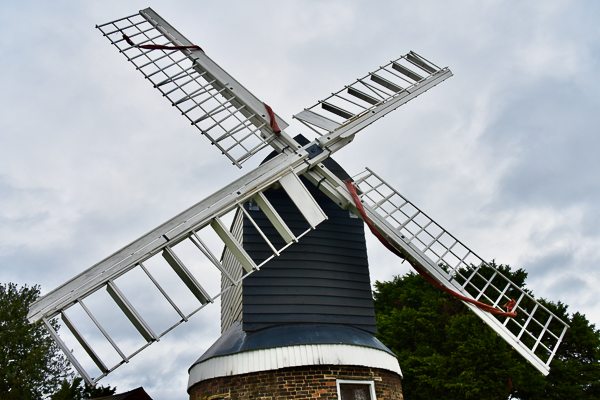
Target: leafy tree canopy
column 446, row 351
column 31, row 364
column 76, row 390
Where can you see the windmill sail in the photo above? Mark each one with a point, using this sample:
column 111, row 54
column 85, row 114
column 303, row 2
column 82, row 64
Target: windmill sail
column 535, row 332
column 163, row 241
column 371, row 97
column 231, row 117
column 168, row 71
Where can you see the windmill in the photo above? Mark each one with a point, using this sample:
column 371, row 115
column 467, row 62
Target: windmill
column 240, row 125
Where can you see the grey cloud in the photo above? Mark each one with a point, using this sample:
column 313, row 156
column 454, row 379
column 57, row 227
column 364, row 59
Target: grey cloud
column 551, row 133
column 548, row 264
column 93, row 158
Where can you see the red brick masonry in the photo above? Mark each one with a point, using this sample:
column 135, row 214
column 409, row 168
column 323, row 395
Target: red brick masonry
column 318, row 381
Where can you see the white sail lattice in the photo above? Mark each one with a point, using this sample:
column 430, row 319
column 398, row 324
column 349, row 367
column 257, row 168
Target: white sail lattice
column 536, row 332
column 233, row 119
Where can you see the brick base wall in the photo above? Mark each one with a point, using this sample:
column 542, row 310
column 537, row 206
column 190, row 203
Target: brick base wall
column 318, row 381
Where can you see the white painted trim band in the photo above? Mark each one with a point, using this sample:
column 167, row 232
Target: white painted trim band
column 292, row 356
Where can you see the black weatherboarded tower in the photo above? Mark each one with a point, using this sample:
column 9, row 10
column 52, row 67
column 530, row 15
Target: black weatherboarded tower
column 308, row 312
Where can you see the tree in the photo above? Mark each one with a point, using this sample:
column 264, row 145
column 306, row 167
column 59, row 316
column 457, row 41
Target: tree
column 76, row 390
column 575, row 370
column 31, row 365
column 446, row 351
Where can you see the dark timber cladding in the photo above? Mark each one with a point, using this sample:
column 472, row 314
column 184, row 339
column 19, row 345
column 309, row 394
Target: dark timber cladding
column 324, row 278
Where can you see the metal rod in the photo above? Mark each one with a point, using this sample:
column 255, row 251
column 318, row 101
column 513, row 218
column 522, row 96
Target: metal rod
column 88, row 349
column 380, row 202
column 106, row 335
column 186, row 276
column 153, row 61
column 537, row 342
column 67, row 352
column 556, row 346
column 237, row 128
column 486, row 285
column 226, row 117
column 210, row 114
column 200, row 91
column 527, row 322
column 180, row 86
column 517, row 307
column 118, row 20
column 142, row 53
column 260, row 232
column 352, row 102
column 396, row 75
column 127, row 27
column 310, row 127
column 130, row 312
column 175, row 62
column 435, row 240
column 194, row 238
column 164, row 293
column 448, row 249
column 502, row 294
column 421, row 230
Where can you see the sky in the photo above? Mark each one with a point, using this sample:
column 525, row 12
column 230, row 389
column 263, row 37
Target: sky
column 504, row 154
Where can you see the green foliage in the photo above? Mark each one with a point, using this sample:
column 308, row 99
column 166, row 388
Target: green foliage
column 76, row 390
column 575, row 370
column 446, row 351
column 31, row 366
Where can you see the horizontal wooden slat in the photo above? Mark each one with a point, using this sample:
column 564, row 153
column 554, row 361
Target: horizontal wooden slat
column 317, row 120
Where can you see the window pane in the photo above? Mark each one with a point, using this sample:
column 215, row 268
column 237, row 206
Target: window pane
column 354, row 392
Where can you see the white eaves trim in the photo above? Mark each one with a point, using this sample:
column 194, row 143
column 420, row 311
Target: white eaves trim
column 292, row 356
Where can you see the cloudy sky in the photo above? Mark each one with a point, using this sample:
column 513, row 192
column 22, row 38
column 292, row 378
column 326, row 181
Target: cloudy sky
column 504, row 154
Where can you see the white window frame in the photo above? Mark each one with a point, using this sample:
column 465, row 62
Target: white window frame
column 355, row 382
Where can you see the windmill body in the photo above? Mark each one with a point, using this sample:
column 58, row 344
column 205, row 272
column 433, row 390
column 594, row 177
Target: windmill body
column 286, row 211
column 310, row 308
column 322, row 279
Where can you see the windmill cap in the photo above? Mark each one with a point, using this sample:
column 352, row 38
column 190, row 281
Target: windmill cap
column 235, row 340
